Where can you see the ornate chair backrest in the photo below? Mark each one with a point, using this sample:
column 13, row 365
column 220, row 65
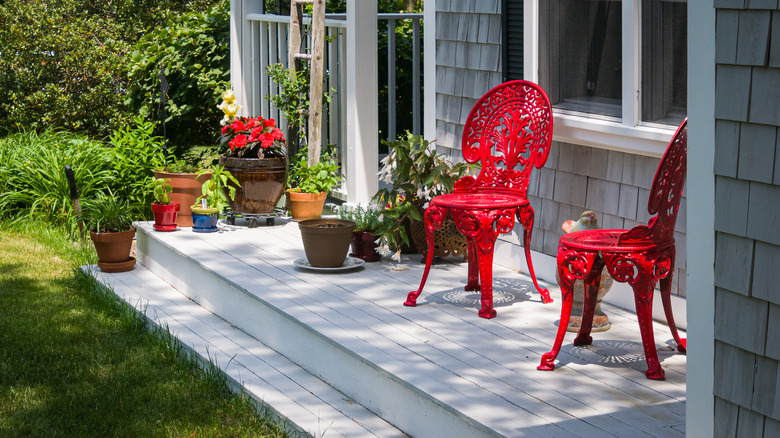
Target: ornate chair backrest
column 665, row 194
column 509, row 131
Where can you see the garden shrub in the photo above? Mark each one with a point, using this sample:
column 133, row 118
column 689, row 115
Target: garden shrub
column 64, row 63
column 195, row 54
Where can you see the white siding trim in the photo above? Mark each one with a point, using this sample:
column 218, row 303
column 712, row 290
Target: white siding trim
column 429, row 70
column 700, row 409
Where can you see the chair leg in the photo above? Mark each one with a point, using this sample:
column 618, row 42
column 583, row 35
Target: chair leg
column 591, row 283
column 486, row 276
column 525, row 215
column 666, row 298
column 434, row 217
column 473, row 278
column 643, row 296
column 567, row 296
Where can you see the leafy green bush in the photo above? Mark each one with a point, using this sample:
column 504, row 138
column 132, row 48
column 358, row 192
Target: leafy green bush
column 64, row 63
column 195, row 54
column 136, row 153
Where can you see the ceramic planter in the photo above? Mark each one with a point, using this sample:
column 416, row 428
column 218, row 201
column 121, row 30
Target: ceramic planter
column 204, row 220
column 364, row 246
column 326, row 241
column 262, row 183
column 165, row 216
column 113, row 250
column 186, row 189
column 304, row 206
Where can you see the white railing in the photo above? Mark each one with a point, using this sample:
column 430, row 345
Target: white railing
column 265, row 42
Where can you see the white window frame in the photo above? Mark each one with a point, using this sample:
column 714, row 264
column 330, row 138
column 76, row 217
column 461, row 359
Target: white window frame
column 630, row 134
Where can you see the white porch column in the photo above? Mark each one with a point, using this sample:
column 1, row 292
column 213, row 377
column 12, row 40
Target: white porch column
column 362, row 149
column 429, row 74
column 244, row 56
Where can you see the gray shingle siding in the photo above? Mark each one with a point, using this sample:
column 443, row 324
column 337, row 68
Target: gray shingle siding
column 747, row 211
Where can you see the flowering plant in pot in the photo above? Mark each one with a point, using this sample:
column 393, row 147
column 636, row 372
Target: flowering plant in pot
column 364, row 239
column 109, row 221
column 311, row 185
column 416, row 173
column 216, row 193
column 256, row 155
column 164, row 209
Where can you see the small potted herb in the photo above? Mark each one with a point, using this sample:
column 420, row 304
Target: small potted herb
column 364, row 239
column 214, row 198
column 165, row 210
column 311, row 185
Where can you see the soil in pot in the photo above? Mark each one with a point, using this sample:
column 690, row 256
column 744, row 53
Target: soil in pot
column 326, row 241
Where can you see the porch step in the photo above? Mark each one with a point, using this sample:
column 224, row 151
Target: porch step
column 299, row 400
column 336, row 353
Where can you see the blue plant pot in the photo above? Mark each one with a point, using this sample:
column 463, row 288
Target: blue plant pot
column 204, row 223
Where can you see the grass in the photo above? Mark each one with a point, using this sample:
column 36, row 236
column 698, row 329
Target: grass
column 74, row 361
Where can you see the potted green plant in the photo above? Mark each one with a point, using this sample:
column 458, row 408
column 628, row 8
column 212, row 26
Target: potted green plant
column 311, row 185
column 216, row 193
column 165, row 210
column 364, row 239
column 416, row 173
column 256, row 156
column 186, row 181
column 109, row 221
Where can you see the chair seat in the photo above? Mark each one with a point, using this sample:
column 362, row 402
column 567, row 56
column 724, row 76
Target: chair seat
column 605, row 240
column 477, row 200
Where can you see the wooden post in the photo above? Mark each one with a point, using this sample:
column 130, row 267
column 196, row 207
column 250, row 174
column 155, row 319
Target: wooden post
column 315, row 86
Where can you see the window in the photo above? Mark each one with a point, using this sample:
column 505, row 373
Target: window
column 618, row 62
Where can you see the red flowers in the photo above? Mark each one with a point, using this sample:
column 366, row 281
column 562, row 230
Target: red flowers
column 253, row 137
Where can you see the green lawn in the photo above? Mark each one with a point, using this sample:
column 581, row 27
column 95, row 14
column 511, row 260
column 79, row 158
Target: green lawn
column 76, row 362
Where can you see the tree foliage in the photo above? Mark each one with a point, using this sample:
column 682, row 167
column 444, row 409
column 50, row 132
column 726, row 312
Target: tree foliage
column 63, row 63
column 195, row 54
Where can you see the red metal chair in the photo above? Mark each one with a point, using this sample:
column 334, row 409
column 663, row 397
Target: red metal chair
column 641, row 256
column 509, row 131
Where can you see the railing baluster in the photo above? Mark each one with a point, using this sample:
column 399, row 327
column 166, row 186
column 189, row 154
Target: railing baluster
column 416, row 107
column 391, row 114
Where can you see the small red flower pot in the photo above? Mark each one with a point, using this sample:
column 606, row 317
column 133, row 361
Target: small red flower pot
column 364, row 246
column 165, row 216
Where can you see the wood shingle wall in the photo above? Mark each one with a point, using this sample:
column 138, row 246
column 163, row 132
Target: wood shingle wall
column 747, row 231
column 468, row 63
column 614, row 184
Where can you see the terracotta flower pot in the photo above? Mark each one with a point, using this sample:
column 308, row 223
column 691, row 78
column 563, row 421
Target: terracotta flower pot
column 113, row 250
column 262, row 183
column 186, row 189
column 165, row 216
column 305, row 206
column 364, row 246
column 326, row 241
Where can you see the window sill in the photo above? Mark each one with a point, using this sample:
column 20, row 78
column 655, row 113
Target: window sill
column 650, row 140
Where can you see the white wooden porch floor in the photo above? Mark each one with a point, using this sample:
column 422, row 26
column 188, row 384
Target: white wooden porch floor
column 337, row 354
